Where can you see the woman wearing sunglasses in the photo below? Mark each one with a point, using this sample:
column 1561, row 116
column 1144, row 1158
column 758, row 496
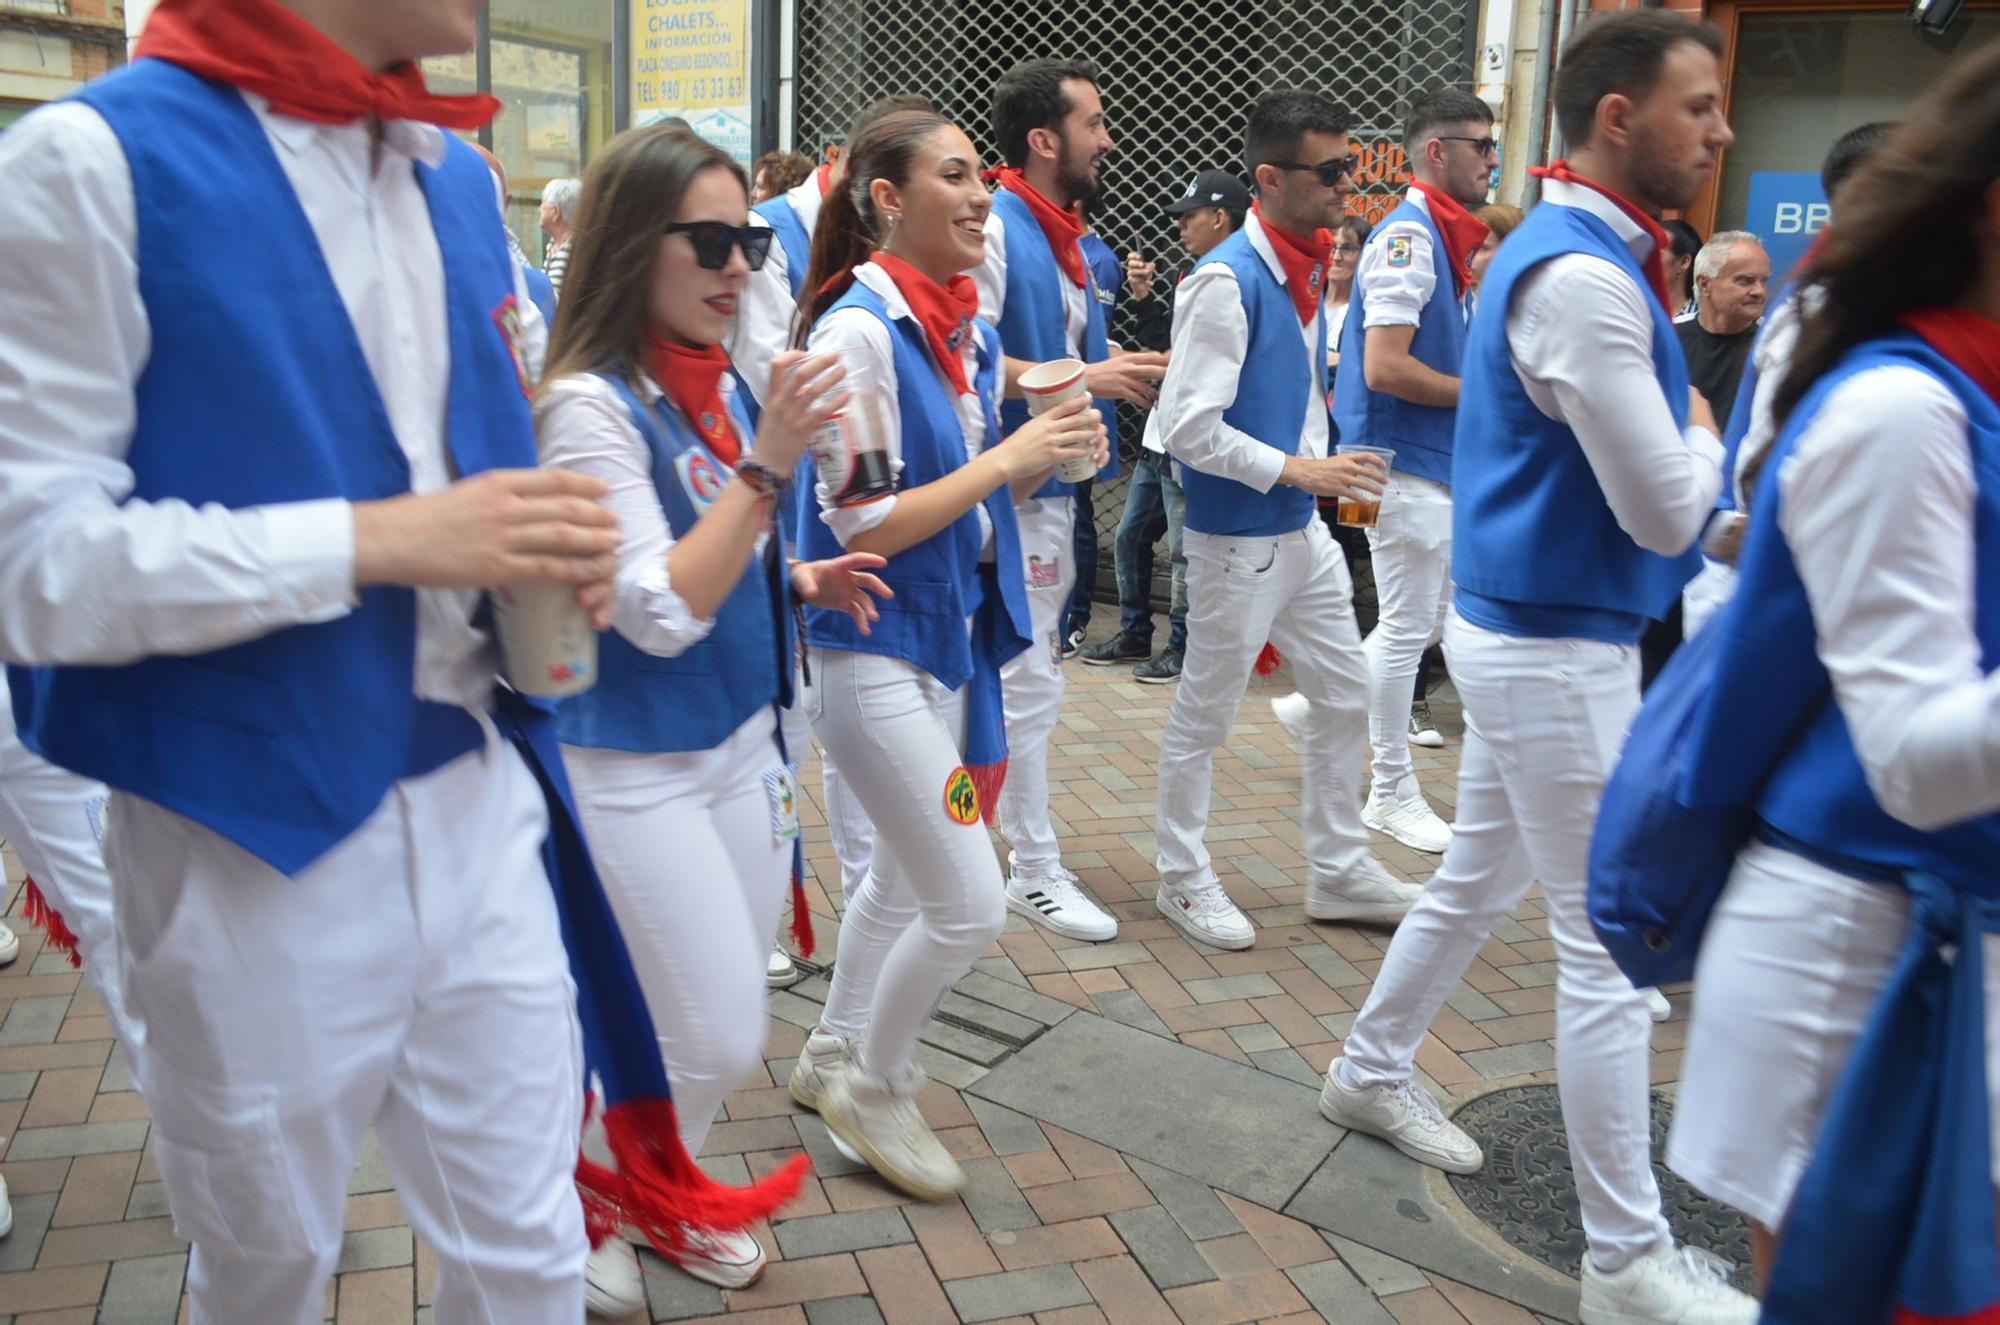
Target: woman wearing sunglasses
column 911, row 712
column 678, row 755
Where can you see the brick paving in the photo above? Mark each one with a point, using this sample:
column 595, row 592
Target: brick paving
column 1056, row 1228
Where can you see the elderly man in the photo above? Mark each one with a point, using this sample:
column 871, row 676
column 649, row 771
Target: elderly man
column 558, row 218
column 1731, row 277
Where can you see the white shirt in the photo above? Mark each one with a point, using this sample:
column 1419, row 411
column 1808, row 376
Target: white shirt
column 1394, row 294
column 763, row 326
column 1772, row 353
column 1580, row 333
column 87, row 576
column 583, row 425
column 1211, row 339
column 865, row 350
column 1877, row 501
column 990, row 279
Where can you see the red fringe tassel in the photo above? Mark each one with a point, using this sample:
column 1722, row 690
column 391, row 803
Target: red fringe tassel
column 1987, row 1315
column 1269, row 660
column 987, row 779
column 656, row 1187
column 49, row 920
column 802, row 925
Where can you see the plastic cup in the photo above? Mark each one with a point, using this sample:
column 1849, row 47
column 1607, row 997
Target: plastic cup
column 1047, row 385
column 547, row 645
column 850, row 453
column 1360, row 512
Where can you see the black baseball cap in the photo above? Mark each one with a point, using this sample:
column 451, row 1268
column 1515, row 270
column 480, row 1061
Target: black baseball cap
column 1211, row 188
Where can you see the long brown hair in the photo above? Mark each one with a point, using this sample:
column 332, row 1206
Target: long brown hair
column 632, row 190
column 1906, row 237
column 848, row 229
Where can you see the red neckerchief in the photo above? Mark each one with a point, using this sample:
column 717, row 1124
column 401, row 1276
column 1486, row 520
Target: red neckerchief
column 1463, row 233
column 1063, row 228
column 825, row 177
column 260, row 46
column 691, row 377
column 945, row 312
column 1656, row 261
column 1304, row 262
column 1970, row 340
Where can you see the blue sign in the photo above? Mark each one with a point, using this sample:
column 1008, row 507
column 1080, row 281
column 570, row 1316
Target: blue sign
column 1787, row 210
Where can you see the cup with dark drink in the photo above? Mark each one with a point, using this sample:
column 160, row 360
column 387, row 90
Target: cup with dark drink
column 851, row 453
column 1361, row 512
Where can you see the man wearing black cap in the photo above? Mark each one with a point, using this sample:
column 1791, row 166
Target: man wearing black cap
column 1208, row 212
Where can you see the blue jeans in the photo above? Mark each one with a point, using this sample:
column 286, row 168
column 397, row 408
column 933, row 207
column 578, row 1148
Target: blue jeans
column 1154, row 505
column 1083, row 542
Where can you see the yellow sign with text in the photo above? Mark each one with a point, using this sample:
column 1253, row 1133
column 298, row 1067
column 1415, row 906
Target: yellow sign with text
column 691, row 58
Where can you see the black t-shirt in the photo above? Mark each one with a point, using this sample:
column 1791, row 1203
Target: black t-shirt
column 1716, row 363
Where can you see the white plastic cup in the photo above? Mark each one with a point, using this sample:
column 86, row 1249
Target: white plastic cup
column 547, row 644
column 1361, row 512
column 1047, row 385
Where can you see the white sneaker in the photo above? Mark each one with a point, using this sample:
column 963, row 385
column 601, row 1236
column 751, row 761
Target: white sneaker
column 1405, row 1116
column 727, row 1260
column 882, row 1123
column 1407, row 818
column 1422, row 730
column 781, row 970
column 1205, row 914
column 10, row 946
column 1657, row 1004
column 1290, row 711
column 1054, row 901
column 1669, row 1285
column 1366, row 892
column 823, row 1057
column 6, row 1210
column 613, row 1287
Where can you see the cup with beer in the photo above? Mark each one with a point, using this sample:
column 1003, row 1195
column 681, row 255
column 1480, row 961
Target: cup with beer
column 1047, row 385
column 1361, row 512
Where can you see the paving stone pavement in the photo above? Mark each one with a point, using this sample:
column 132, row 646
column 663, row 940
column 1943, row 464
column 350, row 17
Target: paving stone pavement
column 1137, row 1118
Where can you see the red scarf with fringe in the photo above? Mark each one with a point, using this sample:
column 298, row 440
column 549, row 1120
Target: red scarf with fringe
column 1303, row 261
column 1462, row 231
column 945, row 312
column 1062, row 227
column 1656, row 262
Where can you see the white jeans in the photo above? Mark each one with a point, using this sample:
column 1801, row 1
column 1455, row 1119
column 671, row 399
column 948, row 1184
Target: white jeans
column 1294, row 591
column 1033, row 684
column 1791, row 967
column 933, row 900
column 847, row 825
column 697, row 879
column 1544, row 722
column 1410, row 547
column 412, row 979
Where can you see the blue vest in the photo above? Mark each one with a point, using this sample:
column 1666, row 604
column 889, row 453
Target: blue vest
column 283, row 744
column 697, row 699
column 1107, row 287
column 1420, row 434
column 1033, row 319
column 1818, row 794
column 936, row 582
column 543, row 292
column 1537, row 551
column 1279, row 383
column 792, row 237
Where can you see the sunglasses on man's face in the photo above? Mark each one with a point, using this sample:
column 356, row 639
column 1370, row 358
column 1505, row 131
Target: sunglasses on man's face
column 712, row 241
column 1330, row 172
column 1483, row 146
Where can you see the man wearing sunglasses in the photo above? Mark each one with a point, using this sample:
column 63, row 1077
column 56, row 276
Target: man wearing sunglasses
column 1397, row 386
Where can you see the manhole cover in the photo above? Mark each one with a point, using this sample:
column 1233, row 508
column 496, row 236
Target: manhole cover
column 1527, row 1193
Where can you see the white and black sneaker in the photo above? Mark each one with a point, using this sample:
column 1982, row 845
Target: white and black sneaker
column 1423, row 731
column 1072, row 643
column 1205, row 914
column 1055, row 902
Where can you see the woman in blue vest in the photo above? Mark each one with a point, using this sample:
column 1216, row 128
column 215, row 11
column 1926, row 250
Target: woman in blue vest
column 1861, row 646
column 677, row 755
column 911, row 712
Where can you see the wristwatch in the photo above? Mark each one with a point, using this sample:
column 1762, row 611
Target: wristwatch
column 760, row 477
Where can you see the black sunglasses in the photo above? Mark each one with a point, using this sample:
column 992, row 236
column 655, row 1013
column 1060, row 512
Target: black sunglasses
column 712, row 241
column 1330, row 172
column 1479, row 145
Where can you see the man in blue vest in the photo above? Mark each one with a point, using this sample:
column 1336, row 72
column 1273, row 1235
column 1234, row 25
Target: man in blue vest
column 1243, row 412
column 237, row 537
column 1583, row 469
column 1397, row 386
column 1036, row 287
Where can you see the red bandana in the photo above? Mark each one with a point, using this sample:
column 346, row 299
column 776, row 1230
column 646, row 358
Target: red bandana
column 691, row 377
column 1063, row 228
column 1463, row 233
column 1970, row 340
column 945, row 312
column 825, row 177
column 259, row 46
column 1656, row 261
column 1304, row 261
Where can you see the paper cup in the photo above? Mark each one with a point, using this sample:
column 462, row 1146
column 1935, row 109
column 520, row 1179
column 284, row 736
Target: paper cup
column 547, row 645
column 1049, row 384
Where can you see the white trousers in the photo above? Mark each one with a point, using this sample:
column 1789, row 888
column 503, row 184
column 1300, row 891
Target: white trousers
column 412, row 979
column 54, row 819
column 1791, row 967
column 847, row 825
column 932, row 902
column 697, row 878
column 1294, row 591
column 1410, row 548
column 1544, row 722
column 1033, row 684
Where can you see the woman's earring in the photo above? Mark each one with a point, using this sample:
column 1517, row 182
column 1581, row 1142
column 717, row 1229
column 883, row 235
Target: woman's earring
column 889, row 237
